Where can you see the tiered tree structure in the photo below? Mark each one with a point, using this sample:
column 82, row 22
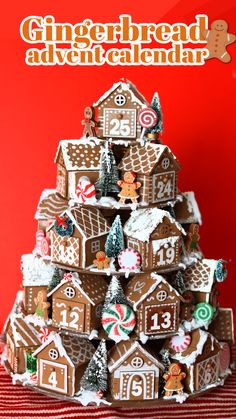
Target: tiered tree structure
column 119, row 303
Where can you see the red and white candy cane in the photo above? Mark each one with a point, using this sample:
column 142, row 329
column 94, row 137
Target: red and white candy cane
column 129, row 259
column 45, row 246
column 34, row 377
column 85, row 191
column 44, row 334
column 40, row 235
column 180, row 343
column 147, row 118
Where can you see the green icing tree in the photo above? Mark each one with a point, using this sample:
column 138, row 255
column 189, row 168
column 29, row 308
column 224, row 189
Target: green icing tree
column 156, row 106
column 108, row 177
column 115, row 294
column 115, row 239
column 95, row 375
column 56, row 279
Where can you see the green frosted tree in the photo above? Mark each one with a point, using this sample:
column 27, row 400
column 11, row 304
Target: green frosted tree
column 179, row 282
column 115, row 294
column 95, row 375
column 115, row 239
column 156, row 106
column 56, row 279
column 108, row 177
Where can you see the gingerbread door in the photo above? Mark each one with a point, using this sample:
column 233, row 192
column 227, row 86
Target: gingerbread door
column 164, row 256
column 163, row 187
column 207, row 372
column 66, row 250
column 161, row 319
column 119, row 123
column 137, row 385
column 53, row 376
column 68, row 315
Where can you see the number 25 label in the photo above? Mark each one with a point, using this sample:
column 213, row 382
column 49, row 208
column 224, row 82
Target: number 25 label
column 120, row 127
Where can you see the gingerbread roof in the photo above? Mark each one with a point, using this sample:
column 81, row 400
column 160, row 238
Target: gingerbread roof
column 82, row 154
column 144, row 221
column 89, row 221
column 121, row 351
column 195, row 349
column 94, row 287
column 222, row 327
column 123, row 86
column 141, row 286
column 144, row 159
column 23, row 333
column 36, row 270
column 186, row 209
column 75, row 349
column 200, row 276
column 50, row 204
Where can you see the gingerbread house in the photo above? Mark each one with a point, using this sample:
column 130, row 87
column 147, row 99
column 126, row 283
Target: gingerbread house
column 200, row 279
column 222, row 328
column 22, row 340
column 74, row 159
column 37, row 273
column 117, row 112
column 156, row 304
column 156, row 236
column 200, row 361
column 61, row 363
column 186, row 209
column 90, row 230
column 134, row 372
column 51, row 204
column 77, row 302
column 156, row 168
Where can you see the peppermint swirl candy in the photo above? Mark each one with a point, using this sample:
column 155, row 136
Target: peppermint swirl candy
column 147, row 118
column 203, row 312
column 118, row 320
column 44, row 334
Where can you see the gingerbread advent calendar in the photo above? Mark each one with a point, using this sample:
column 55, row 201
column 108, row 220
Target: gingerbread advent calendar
column 119, row 305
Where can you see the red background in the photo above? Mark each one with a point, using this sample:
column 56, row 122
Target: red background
column 41, row 105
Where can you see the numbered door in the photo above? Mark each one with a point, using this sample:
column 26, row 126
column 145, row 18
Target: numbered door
column 164, row 256
column 207, row 372
column 119, row 123
column 69, row 315
column 137, row 385
column 66, row 250
column 160, row 319
column 163, row 187
column 53, row 376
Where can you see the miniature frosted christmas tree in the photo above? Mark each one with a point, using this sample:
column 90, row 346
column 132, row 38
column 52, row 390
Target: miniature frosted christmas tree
column 108, row 177
column 95, row 376
column 115, row 240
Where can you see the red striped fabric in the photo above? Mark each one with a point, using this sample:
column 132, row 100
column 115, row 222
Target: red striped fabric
column 19, row 402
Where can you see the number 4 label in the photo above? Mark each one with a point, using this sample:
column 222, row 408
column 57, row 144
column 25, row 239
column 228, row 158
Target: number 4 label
column 52, row 379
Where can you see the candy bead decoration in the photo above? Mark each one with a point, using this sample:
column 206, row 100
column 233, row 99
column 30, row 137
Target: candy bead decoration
column 147, row 118
column 44, row 334
column 204, row 312
column 180, row 343
column 129, row 259
column 118, row 320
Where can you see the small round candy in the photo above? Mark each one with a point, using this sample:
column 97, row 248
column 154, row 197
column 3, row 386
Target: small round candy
column 204, row 312
column 45, row 247
column 129, row 259
column 180, row 343
column 118, row 320
column 147, row 118
column 44, row 334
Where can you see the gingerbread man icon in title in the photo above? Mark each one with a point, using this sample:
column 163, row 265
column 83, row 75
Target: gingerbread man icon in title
column 217, row 40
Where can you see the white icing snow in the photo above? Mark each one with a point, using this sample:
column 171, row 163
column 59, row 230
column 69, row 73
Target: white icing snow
column 85, row 397
column 24, row 379
column 143, row 222
column 93, row 334
column 35, row 320
column 193, row 208
column 191, row 358
column 195, row 324
column 36, row 271
column 44, row 195
column 143, row 337
column 125, row 87
column 169, row 241
column 179, row 398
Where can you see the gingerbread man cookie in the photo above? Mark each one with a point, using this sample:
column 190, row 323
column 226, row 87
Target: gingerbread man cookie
column 173, row 380
column 88, row 122
column 101, row 261
column 42, row 305
column 192, row 238
column 217, row 39
column 128, row 188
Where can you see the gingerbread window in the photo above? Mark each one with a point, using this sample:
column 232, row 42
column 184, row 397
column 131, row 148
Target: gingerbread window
column 120, row 100
column 95, row 246
column 53, row 353
column 161, row 295
column 137, row 362
column 165, row 163
column 69, row 292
